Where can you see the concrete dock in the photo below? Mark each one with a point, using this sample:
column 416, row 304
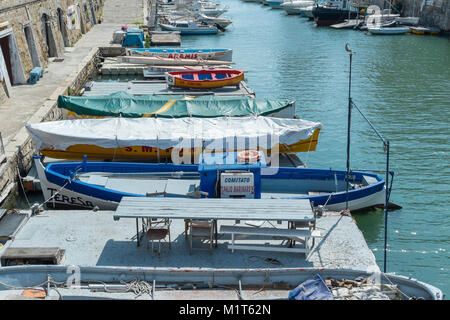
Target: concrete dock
column 122, row 68
column 94, row 239
column 161, row 38
column 159, row 87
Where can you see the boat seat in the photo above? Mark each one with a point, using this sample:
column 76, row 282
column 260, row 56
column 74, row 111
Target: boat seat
column 368, row 180
column 178, row 187
column 137, row 186
column 220, row 76
column 205, row 76
column 97, row 180
column 189, row 76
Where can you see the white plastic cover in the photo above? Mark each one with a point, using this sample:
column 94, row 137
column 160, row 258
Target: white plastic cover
column 166, row 133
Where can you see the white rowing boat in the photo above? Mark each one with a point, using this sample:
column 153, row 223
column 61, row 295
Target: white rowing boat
column 158, row 61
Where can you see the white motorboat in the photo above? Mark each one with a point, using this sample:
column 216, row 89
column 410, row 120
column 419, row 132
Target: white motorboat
column 387, row 30
column 295, row 7
column 221, row 23
column 189, row 27
column 409, row 21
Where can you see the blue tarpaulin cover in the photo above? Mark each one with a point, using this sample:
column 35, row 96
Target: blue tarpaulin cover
column 134, row 38
column 313, row 289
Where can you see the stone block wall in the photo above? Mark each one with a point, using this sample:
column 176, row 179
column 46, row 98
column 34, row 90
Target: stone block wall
column 3, row 95
column 67, row 20
column 432, row 13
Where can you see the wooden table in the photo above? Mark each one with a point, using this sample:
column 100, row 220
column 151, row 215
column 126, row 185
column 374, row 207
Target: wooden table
column 278, row 210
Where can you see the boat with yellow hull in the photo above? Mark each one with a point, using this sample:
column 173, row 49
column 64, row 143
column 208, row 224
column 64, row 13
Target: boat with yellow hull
column 205, row 78
column 155, row 139
column 146, row 153
column 424, row 30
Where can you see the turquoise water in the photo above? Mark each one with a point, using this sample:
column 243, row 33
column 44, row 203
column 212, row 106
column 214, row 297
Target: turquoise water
column 402, row 83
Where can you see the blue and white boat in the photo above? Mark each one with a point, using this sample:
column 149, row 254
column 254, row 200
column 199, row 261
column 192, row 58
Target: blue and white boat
column 184, row 53
column 189, row 27
column 103, row 184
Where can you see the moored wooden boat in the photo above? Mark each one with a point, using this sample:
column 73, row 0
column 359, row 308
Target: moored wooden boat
column 150, row 139
column 184, row 53
column 158, row 61
column 424, row 30
column 160, row 71
column 122, row 104
column 104, row 184
column 205, row 78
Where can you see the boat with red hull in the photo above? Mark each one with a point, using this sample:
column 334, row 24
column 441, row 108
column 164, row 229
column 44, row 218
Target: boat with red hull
column 205, row 78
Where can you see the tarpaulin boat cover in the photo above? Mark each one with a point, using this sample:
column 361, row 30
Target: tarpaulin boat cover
column 168, row 133
column 130, row 106
column 313, row 289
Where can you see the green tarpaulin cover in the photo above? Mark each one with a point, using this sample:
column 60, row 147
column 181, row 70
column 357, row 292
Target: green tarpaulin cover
column 126, row 105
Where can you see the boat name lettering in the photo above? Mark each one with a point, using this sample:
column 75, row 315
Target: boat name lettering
column 183, row 56
column 70, row 200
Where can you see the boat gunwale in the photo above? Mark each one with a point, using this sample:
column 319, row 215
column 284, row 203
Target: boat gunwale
column 214, row 273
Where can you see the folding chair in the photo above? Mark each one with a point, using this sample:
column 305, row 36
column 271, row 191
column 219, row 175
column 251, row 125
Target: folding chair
column 202, row 229
column 157, row 230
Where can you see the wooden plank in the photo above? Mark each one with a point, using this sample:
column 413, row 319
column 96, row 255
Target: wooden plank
column 265, row 231
column 30, row 253
column 266, row 248
column 165, row 39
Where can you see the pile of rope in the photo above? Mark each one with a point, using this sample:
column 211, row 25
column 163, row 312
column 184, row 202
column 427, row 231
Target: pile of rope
column 138, row 287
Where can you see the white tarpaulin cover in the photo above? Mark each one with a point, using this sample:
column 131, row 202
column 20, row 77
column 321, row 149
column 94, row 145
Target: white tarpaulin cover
column 166, row 133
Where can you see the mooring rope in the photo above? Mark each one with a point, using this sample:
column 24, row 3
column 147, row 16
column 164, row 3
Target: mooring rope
column 23, row 189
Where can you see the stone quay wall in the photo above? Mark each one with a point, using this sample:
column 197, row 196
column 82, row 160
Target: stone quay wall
column 20, row 153
column 32, row 31
column 432, row 13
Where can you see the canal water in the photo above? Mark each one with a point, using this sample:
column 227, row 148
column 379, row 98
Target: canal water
column 402, row 84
